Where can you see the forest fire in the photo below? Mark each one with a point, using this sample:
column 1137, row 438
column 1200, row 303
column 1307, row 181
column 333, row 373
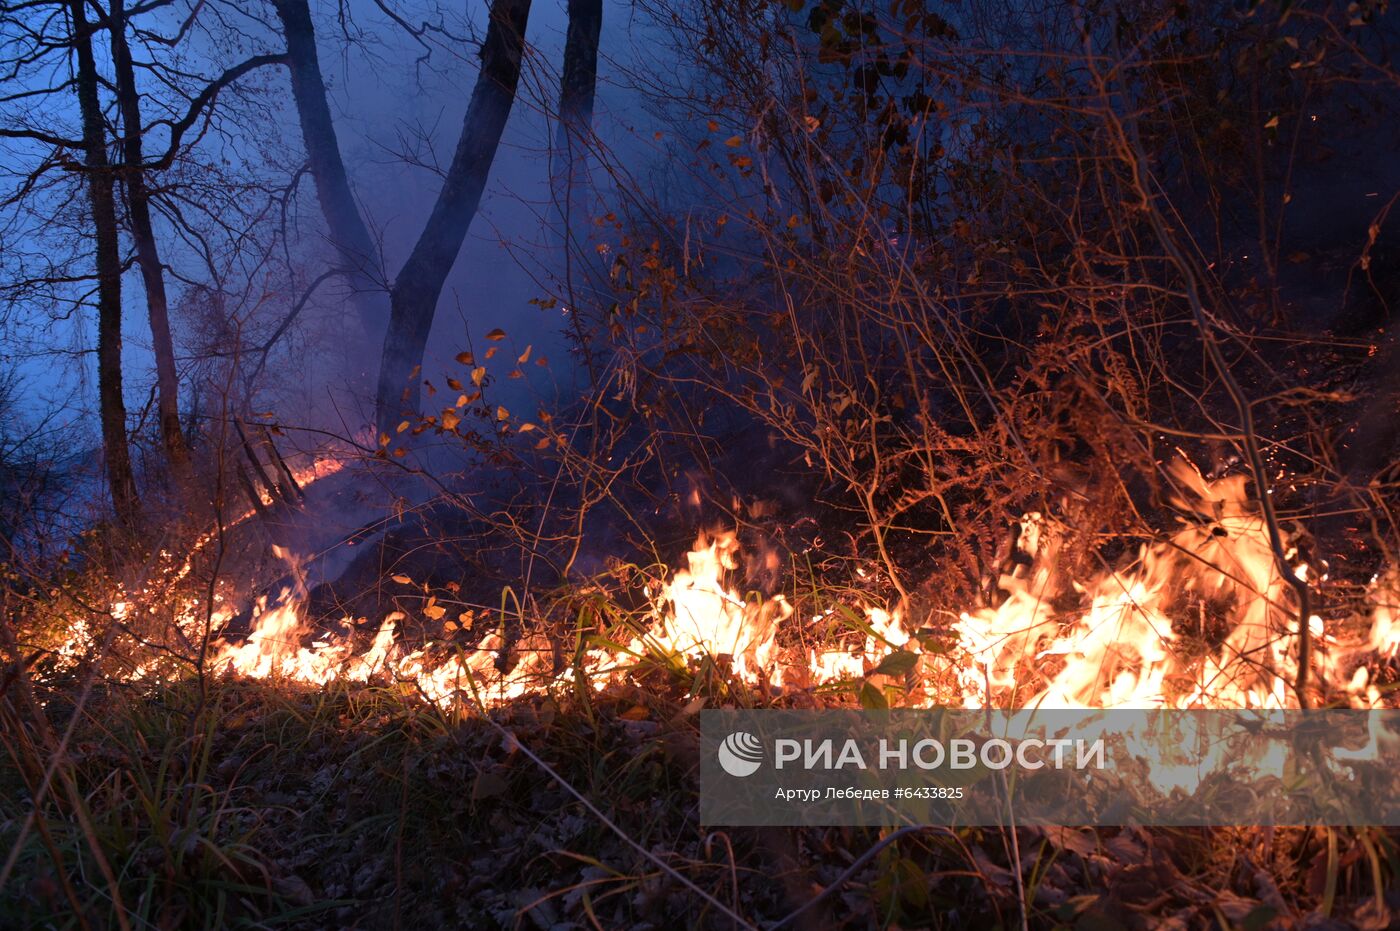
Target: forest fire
column 1125, row 643
column 367, row 370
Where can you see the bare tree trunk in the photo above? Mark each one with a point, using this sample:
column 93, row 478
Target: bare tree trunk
column 348, row 233
column 147, row 253
column 109, row 276
column 568, row 177
column 414, row 297
column 576, row 93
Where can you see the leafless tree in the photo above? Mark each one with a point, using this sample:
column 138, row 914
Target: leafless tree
column 348, row 233
column 147, row 251
column 418, row 285
column 102, row 197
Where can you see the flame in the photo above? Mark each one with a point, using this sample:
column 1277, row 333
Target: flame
column 700, row 616
column 1199, row 619
column 1125, row 645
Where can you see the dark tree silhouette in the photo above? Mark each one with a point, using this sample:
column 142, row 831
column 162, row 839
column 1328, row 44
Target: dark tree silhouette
column 109, row 273
column 576, row 93
column 349, row 235
column 419, row 284
column 414, row 295
column 138, row 202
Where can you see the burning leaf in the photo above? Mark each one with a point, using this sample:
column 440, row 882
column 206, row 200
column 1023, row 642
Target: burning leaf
column 403, row 580
column 433, row 610
column 450, row 419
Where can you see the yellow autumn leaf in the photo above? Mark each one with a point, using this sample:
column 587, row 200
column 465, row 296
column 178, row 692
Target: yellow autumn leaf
column 450, row 419
column 496, row 335
column 524, row 356
column 462, row 400
column 734, row 141
column 403, row 425
column 403, row 580
column 502, row 413
column 434, row 611
column 478, row 374
column 526, row 427
column 465, row 358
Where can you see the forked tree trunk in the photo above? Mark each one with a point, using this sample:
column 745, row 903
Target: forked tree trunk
column 576, row 93
column 348, row 233
column 414, row 297
column 109, row 275
column 147, row 252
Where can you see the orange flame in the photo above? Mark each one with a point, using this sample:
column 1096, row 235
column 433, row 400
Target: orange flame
column 1136, row 637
